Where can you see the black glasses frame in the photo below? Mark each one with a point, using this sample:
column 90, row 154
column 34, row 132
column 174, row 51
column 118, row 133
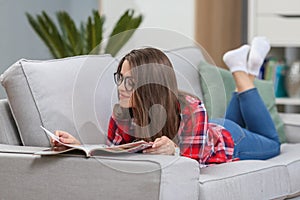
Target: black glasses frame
column 128, row 81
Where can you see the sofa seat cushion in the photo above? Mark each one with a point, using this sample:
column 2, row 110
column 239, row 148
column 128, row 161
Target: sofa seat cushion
column 290, row 157
column 276, row 178
column 111, row 176
column 244, row 180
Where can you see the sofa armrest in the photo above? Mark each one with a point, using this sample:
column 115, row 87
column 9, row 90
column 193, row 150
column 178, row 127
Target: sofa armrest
column 8, row 130
column 292, row 126
column 108, row 176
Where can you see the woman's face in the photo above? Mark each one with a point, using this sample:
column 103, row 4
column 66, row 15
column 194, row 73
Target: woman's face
column 125, row 92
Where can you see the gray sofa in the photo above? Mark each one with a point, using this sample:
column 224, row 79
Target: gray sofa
column 77, row 94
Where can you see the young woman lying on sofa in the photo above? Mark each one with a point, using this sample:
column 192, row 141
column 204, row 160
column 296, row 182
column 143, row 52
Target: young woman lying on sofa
column 151, row 108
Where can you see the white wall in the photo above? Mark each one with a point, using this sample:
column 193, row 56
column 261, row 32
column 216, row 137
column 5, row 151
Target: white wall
column 172, row 15
column 17, row 38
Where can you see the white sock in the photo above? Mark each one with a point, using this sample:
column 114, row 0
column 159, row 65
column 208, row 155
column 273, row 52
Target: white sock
column 236, row 59
column 259, row 49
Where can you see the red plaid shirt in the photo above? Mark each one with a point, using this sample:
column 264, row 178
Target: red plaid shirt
column 205, row 142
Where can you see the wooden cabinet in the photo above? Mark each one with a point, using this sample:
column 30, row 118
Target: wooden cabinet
column 278, row 20
column 288, row 105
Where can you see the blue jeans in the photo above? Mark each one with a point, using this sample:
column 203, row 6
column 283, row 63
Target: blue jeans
column 251, row 127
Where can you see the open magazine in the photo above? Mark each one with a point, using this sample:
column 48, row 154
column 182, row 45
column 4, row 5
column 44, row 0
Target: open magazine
column 90, row 149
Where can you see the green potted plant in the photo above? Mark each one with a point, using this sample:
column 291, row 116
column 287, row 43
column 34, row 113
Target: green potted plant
column 67, row 40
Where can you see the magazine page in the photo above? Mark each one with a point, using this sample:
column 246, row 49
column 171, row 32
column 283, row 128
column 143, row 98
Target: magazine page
column 89, row 148
column 129, row 147
column 51, row 151
column 56, row 138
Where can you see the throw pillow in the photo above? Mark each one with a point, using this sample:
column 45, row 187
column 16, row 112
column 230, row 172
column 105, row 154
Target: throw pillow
column 217, row 86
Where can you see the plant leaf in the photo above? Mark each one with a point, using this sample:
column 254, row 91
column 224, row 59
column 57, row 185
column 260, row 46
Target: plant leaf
column 54, row 35
column 64, row 32
column 42, row 33
column 72, row 35
column 98, row 24
column 83, row 38
column 47, row 33
column 70, row 41
column 89, row 35
column 122, row 31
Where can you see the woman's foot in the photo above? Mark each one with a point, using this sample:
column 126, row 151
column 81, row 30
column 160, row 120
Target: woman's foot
column 260, row 47
column 236, row 59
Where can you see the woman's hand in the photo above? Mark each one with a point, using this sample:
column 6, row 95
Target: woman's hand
column 162, row 145
column 64, row 137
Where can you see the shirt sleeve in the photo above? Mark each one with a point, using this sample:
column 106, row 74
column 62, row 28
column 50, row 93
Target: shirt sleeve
column 193, row 135
column 118, row 131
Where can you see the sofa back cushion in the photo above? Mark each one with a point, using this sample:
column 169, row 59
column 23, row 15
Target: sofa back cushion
column 185, row 62
column 59, row 95
column 77, row 94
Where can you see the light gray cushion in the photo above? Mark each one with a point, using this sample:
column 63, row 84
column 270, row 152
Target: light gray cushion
column 8, row 130
column 72, row 94
column 290, row 157
column 126, row 176
column 249, row 179
column 185, row 62
column 276, row 178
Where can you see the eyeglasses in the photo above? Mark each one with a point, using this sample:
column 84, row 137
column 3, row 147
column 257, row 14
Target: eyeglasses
column 128, row 81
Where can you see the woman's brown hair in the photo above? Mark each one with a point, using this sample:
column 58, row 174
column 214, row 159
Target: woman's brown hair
column 155, row 88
